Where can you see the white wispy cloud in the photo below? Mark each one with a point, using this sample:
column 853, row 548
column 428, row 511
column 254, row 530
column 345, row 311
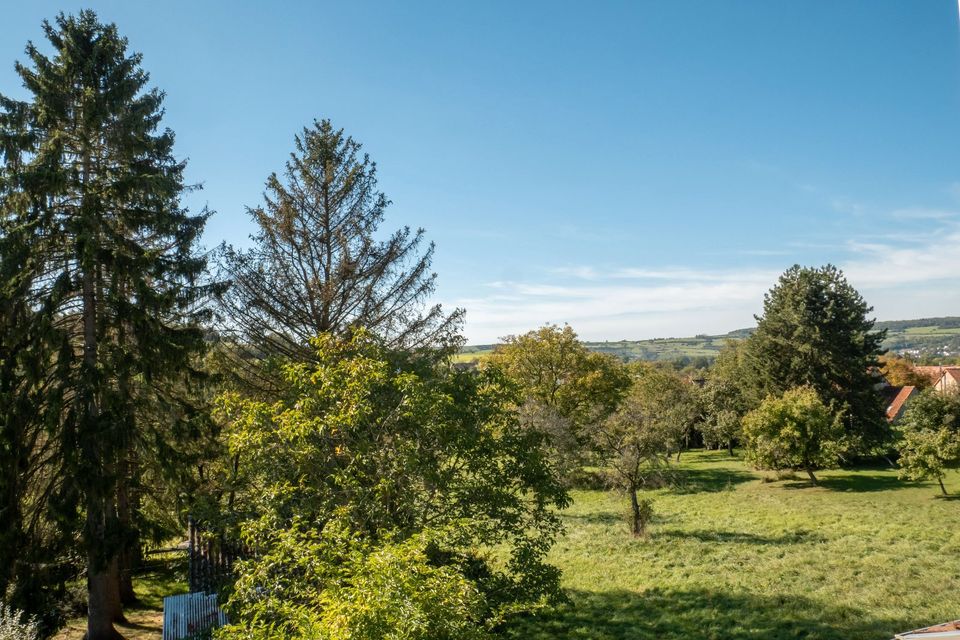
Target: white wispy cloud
column 923, row 213
column 907, row 277
column 848, row 206
column 892, row 263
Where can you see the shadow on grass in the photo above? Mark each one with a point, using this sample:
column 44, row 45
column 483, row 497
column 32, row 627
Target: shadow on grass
column 947, row 498
column 155, row 628
column 699, row 480
column 855, row 482
column 603, row 517
column 690, row 614
column 165, row 579
column 704, row 535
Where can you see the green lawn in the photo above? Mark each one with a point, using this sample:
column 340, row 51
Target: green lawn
column 732, row 557
column 145, row 620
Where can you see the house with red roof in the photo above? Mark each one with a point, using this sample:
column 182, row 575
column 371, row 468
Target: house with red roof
column 941, row 378
column 896, row 399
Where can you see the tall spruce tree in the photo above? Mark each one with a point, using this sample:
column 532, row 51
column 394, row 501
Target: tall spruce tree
column 28, row 471
column 317, row 266
column 118, row 276
column 815, row 332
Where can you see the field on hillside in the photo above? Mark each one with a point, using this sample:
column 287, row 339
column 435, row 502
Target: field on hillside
column 929, row 338
column 730, row 557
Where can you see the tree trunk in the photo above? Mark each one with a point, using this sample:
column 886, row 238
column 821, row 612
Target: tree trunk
column 730, row 447
column 104, row 600
column 103, row 580
column 126, row 556
column 943, row 489
column 813, row 478
column 103, row 577
column 127, row 504
column 679, row 451
column 637, row 525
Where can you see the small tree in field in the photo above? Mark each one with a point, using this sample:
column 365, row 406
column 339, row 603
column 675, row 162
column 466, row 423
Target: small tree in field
column 635, row 442
column 930, row 437
column 726, row 398
column 794, row 431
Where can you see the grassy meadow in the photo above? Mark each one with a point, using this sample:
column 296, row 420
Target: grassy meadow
column 731, row 556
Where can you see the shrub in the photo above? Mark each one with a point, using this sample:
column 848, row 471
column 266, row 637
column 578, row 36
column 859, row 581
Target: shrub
column 333, row 585
column 644, row 514
column 14, row 625
column 794, row 431
column 930, row 437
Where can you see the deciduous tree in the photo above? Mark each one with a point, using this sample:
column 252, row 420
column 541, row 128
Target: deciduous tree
column 391, row 446
column 901, row 373
column 566, row 388
column 930, row 437
column 636, row 441
column 725, row 398
column 793, row 431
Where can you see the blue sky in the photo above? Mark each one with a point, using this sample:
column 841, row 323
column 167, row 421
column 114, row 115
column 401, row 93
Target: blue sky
column 636, row 169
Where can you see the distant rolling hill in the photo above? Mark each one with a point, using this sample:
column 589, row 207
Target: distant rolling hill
column 925, row 339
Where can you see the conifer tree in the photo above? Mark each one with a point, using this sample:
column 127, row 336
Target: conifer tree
column 815, row 331
column 317, row 266
column 117, row 275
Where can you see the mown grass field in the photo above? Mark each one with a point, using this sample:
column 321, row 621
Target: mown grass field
column 731, row 557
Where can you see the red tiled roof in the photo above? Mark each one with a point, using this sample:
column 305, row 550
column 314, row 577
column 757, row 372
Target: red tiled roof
column 897, row 400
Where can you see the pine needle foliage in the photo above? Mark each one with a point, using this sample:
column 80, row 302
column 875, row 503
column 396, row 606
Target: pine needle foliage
column 116, row 284
column 318, row 264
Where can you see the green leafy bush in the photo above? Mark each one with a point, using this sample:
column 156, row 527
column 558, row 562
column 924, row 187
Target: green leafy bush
column 335, row 585
column 794, row 431
column 15, row 625
column 371, row 454
column 930, row 437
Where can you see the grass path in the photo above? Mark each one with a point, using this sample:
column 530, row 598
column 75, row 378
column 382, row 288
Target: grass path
column 142, row 624
column 734, row 558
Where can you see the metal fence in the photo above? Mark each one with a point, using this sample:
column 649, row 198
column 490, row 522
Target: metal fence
column 212, row 558
column 190, row 614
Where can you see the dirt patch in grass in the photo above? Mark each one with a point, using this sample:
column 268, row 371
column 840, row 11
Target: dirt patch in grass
column 142, row 624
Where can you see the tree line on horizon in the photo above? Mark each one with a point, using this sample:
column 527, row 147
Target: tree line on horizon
column 299, row 396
